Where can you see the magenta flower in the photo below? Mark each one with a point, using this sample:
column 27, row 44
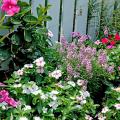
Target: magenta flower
column 10, row 7
column 110, row 46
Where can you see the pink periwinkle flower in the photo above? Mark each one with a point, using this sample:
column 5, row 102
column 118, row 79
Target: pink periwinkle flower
column 10, row 7
column 97, row 42
column 69, row 69
column 110, row 46
column 4, row 97
column 110, row 69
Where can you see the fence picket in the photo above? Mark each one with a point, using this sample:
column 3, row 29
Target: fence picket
column 54, row 13
column 67, row 17
column 81, row 16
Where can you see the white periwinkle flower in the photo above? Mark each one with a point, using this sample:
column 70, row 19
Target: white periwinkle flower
column 36, row 118
column 53, row 104
column 56, row 74
column 23, row 118
column 17, row 85
column 28, row 66
column 105, row 109
column 27, row 107
column 19, row 72
column 88, row 117
column 39, row 62
column 71, row 83
column 44, row 110
column 117, row 106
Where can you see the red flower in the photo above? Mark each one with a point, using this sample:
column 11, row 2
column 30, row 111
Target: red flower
column 104, row 40
column 117, row 36
column 112, row 43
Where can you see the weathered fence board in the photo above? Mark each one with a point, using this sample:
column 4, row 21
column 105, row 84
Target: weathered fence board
column 67, row 17
column 81, row 16
column 54, row 13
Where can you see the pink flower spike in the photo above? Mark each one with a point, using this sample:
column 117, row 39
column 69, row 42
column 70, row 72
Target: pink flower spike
column 11, row 102
column 4, row 93
column 10, row 7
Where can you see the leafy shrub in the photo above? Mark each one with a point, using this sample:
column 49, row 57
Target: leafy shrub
column 27, row 40
column 40, row 91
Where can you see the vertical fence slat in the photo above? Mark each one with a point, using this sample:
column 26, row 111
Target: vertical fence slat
column 94, row 23
column 54, row 13
column 67, row 18
column 35, row 3
column 81, row 16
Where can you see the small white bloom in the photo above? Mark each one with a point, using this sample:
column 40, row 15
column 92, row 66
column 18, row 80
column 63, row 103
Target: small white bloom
column 28, row 66
column 44, row 110
column 50, row 34
column 19, row 72
column 17, row 85
column 40, row 70
column 43, row 96
column 85, row 94
column 105, row 109
column 53, row 94
column 56, row 74
column 88, row 117
column 37, row 92
column 117, row 106
column 39, row 62
column 81, row 82
column 37, row 118
column 53, row 104
column 27, row 107
column 71, row 83
column 23, row 118
column 78, row 106
column 83, row 102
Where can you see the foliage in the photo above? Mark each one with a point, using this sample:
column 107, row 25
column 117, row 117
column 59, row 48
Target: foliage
column 111, row 106
column 28, row 38
column 43, row 92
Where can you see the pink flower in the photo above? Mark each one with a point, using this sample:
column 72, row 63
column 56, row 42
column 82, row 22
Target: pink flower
column 119, row 68
column 4, row 93
column 97, row 42
column 110, row 46
column 11, row 101
column 10, row 7
column 2, row 84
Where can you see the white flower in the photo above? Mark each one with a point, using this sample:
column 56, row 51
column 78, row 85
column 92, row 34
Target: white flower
column 17, row 85
column 53, row 94
column 97, row 42
column 27, row 107
column 44, row 110
column 23, row 118
column 40, row 70
column 78, row 106
column 56, row 74
column 118, row 99
column 71, row 83
column 105, row 109
column 28, row 66
column 37, row 92
column 50, row 34
column 37, row 118
column 19, row 72
column 88, row 117
column 85, row 94
column 39, row 62
column 102, row 118
column 117, row 106
column 83, row 102
column 43, row 96
column 53, row 104
column 81, row 82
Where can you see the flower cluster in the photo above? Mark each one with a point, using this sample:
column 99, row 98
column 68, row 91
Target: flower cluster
column 10, row 7
column 5, row 98
column 41, row 95
column 111, row 105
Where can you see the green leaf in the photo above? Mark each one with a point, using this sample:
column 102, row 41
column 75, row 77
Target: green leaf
column 15, row 21
column 15, row 39
column 27, row 35
column 30, row 19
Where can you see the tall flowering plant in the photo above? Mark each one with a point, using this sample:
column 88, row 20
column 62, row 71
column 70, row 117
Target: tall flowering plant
column 39, row 91
column 84, row 62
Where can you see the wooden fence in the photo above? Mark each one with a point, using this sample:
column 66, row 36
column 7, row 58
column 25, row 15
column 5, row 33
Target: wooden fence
column 72, row 15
